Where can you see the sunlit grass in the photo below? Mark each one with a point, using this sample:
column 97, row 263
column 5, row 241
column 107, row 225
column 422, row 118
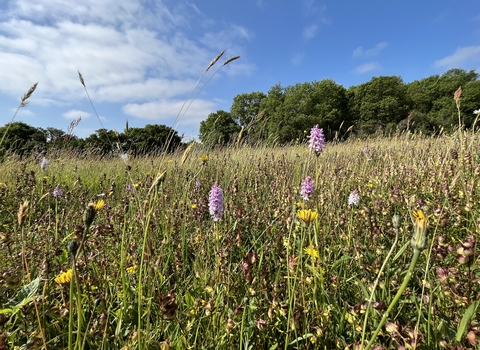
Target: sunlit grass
column 275, row 271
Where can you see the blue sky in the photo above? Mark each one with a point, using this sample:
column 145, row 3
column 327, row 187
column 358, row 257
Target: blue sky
column 140, row 59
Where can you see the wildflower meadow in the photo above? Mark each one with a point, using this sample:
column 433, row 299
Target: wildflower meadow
column 358, row 245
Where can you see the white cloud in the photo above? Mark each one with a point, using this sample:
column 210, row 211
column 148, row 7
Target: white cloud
column 127, row 50
column 361, row 52
column 166, row 110
column 461, row 56
column 310, row 31
column 75, row 114
column 298, row 58
column 367, row 67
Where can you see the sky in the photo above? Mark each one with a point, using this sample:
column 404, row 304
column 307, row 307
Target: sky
column 141, row 59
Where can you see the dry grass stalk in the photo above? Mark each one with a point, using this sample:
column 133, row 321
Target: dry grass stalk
column 186, row 153
column 240, row 134
column 22, row 213
column 457, row 95
column 215, row 60
column 231, row 59
column 27, row 95
column 81, row 78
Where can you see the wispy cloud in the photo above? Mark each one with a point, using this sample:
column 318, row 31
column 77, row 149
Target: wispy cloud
column 163, row 110
column 310, row 31
column 361, row 52
column 298, row 58
column 460, row 57
column 75, row 113
column 367, row 67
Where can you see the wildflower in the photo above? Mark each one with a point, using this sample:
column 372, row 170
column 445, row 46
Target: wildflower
column 194, row 206
column 44, row 163
column 197, row 183
column 204, row 159
column 216, row 202
column 308, row 188
column 124, row 157
column 477, row 112
column 91, row 210
column 132, row 269
column 317, row 140
column 307, row 216
column 420, row 228
column 312, row 252
column 64, row 277
column 72, row 248
column 354, row 198
column 57, row 192
column 129, row 187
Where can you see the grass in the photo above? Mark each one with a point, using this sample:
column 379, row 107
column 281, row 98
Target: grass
column 157, row 272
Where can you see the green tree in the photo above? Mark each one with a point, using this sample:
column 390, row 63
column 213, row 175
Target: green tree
column 151, row 138
column 21, row 138
column 380, row 104
column 218, row 129
column 299, row 107
column 247, row 113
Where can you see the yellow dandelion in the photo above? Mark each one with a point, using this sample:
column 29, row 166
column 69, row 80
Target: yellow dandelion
column 132, row 269
column 194, row 206
column 64, row 277
column 204, row 158
column 99, row 205
column 307, row 216
column 299, row 204
column 420, row 228
column 312, row 252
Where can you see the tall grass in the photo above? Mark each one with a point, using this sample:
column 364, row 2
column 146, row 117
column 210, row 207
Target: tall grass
column 156, row 270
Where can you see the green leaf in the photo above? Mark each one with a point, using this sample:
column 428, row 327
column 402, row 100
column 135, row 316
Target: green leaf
column 5, row 311
column 304, row 337
column 400, row 252
column 189, row 300
column 466, row 320
column 29, row 290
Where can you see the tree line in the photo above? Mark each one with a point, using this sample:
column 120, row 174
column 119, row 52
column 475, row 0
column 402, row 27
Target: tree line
column 384, row 105
column 23, row 139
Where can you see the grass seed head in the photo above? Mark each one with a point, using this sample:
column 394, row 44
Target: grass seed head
column 22, row 213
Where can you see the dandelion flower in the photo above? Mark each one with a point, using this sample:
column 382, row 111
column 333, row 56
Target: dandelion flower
column 307, row 215
column 420, row 229
column 354, row 198
column 308, row 188
column 64, row 277
column 317, row 140
column 216, row 202
column 91, row 211
column 204, row 159
column 312, row 252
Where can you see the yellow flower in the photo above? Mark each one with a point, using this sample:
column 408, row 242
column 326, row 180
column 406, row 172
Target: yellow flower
column 132, row 269
column 312, row 252
column 64, row 277
column 307, row 215
column 420, row 228
column 99, row 205
column 299, row 204
column 194, row 206
column 204, row 158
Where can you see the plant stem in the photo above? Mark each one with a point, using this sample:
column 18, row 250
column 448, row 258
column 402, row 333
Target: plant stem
column 416, row 254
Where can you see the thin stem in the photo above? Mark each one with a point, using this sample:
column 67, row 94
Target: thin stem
column 375, row 286
column 416, row 254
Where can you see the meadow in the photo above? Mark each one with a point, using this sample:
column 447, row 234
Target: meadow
column 126, row 254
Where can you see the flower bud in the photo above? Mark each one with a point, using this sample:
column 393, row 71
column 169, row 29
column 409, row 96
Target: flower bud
column 420, row 229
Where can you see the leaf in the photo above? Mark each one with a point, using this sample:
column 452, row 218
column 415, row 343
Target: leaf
column 274, row 346
column 29, row 290
column 466, row 320
column 305, row 336
column 400, row 252
column 189, row 300
column 5, row 311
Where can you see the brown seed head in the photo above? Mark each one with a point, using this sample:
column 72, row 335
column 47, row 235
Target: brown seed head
column 22, row 213
column 27, row 95
column 215, row 60
column 231, row 59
